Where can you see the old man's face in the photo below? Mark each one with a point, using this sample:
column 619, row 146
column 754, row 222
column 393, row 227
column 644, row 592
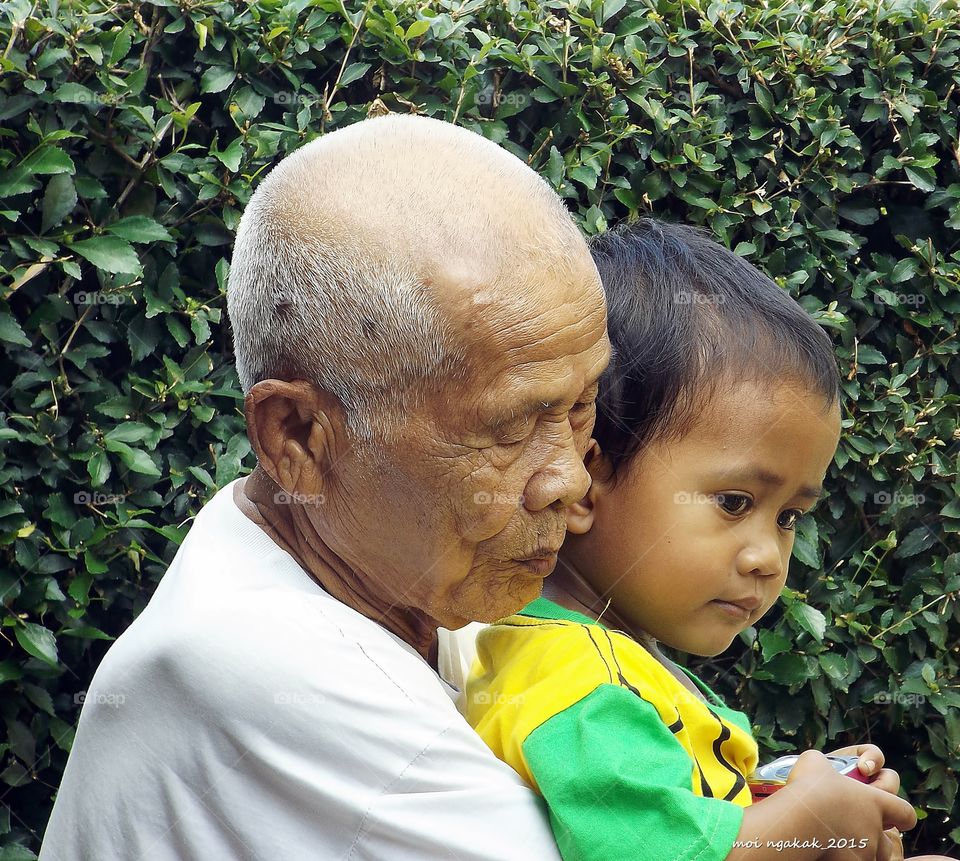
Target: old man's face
column 467, row 506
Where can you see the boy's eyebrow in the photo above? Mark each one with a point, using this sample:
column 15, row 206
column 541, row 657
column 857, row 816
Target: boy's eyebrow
column 772, row 479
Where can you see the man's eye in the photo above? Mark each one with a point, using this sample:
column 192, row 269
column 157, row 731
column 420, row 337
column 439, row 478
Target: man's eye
column 733, row 503
column 513, row 436
column 788, row 519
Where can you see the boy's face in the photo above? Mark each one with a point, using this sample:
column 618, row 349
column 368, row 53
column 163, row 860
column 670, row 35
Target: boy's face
column 693, row 540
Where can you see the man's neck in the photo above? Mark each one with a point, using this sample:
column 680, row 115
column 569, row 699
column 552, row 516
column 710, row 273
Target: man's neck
column 291, row 529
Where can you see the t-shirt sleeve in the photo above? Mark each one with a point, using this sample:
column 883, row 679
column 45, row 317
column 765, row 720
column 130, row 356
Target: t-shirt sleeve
column 618, row 785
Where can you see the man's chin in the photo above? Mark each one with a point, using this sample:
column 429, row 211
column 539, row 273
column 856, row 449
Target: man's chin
column 522, row 588
column 525, row 587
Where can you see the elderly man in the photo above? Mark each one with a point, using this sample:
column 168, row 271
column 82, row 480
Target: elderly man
column 419, row 329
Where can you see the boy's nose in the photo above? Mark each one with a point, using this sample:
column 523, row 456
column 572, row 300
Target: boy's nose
column 762, row 557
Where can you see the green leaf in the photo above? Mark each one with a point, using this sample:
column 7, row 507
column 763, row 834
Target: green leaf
column 809, row 618
column 232, row 155
column 10, row 672
column 355, row 71
column 867, row 355
column 773, row 643
column 133, row 459
column 58, row 201
column 109, row 253
column 806, row 544
column 904, row 270
column 556, row 167
column 129, row 432
column 922, row 178
column 140, row 228
column 48, row 160
column 86, row 632
column 121, row 45
column 39, row 642
column 417, row 28
column 216, row 79
column 74, row 93
column 10, row 331
column 98, row 467
column 40, row 698
column 917, row 540
column 16, row 852
column 834, row 665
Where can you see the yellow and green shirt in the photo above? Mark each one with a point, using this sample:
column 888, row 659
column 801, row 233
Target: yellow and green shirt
column 630, row 762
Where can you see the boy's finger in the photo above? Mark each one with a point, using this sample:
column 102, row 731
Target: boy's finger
column 886, row 850
column 888, row 780
column 896, row 841
column 897, row 813
column 871, row 758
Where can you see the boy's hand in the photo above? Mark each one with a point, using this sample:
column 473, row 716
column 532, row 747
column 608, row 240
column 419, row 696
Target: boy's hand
column 871, row 758
column 849, row 808
column 896, row 841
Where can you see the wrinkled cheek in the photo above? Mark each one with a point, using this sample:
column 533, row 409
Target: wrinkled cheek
column 486, row 514
column 486, row 501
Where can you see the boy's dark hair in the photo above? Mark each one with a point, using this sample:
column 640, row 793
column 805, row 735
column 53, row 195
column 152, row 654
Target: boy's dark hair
column 686, row 315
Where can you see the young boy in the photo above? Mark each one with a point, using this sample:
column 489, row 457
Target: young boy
column 716, row 423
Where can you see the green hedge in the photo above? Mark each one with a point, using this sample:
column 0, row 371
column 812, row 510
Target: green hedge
column 819, row 140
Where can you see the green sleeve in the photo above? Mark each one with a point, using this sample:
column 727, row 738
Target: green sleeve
column 618, row 785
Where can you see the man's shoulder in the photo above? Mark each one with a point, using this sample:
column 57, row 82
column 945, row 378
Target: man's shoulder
column 235, row 611
column 254, row 651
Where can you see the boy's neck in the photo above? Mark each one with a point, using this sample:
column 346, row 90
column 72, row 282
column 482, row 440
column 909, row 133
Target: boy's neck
column 567, row 587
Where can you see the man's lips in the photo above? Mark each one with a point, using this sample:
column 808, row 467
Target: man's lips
column 542, row 560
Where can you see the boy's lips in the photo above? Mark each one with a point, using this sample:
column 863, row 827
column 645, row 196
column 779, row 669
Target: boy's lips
column 740, row 607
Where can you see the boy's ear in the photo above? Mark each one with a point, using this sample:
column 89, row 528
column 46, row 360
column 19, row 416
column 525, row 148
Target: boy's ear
column 580, row 514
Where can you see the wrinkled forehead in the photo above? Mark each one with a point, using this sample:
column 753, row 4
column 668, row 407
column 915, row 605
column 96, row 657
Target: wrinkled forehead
column 537, row 329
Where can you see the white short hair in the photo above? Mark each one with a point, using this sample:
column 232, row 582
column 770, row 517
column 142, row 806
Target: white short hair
column 312, row 297
column 357, row 328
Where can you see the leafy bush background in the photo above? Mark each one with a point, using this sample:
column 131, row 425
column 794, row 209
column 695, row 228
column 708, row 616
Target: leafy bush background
column 820, row 141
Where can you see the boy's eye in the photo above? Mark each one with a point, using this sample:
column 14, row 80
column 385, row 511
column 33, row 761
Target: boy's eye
column 788, row 519
column 733, row 503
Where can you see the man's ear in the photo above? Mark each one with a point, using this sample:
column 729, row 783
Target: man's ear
column 580, row 515
column 296, row 430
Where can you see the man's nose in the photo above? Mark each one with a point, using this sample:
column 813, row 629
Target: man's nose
column 562, row 478
column 762, row 556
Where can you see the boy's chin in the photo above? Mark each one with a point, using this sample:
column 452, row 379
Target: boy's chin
column 700, row 647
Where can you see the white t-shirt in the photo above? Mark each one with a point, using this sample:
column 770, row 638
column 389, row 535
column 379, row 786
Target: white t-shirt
column 246, row 714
